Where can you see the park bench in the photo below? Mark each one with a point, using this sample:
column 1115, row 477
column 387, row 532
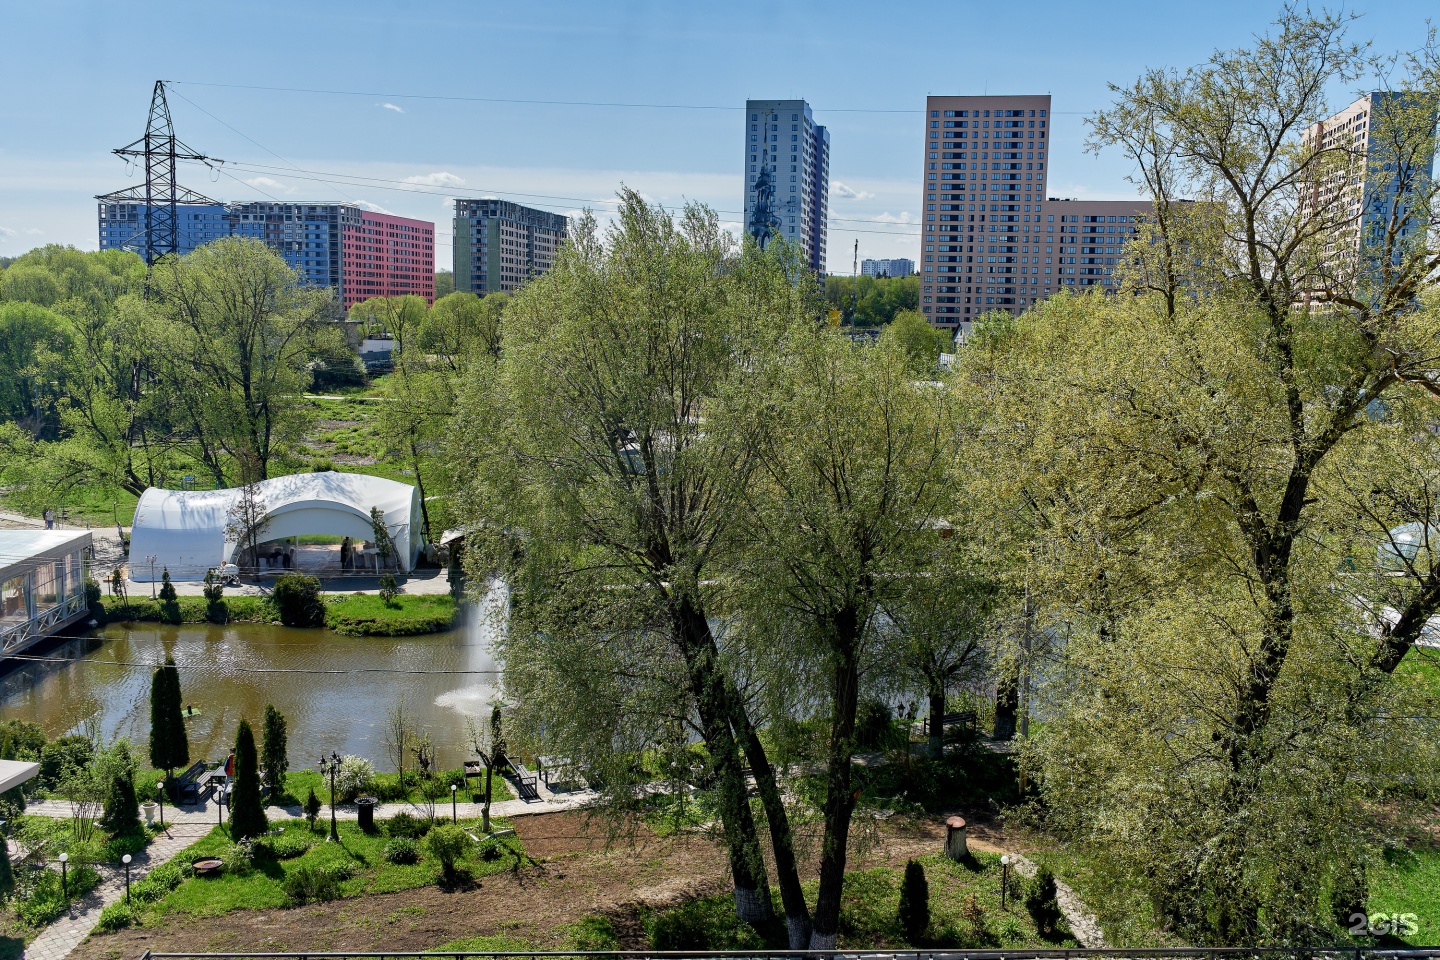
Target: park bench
column 187, row 786
column 965, row 718
column 526, row 782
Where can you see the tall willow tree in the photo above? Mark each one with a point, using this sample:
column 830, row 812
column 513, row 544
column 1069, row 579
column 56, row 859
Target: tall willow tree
column 599, row 493
column 1226, row 479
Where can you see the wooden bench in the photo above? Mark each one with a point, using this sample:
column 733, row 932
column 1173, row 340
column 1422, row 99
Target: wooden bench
column 965, row 718
column 526, row 782
column 187, row 786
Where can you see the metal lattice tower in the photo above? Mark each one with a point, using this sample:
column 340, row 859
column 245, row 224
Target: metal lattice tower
column 160, row 150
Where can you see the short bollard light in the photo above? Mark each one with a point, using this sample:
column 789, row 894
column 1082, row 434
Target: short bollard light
column 454, row 811
column 1004, row 878
column 65, row 875
column 126, row 860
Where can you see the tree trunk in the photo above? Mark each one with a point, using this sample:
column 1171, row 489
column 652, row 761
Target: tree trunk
column 489, row 785
column 707, row 685
column 840, row 795
column 782, row 840
column 937, row 719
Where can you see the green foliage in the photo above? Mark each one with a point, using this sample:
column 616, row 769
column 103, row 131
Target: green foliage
column 122, row 811
column 444, row 284
column 169, row 743
column 308, row 883
column 62, row 757
column 247, row 812
column 448, row 844
column 167, row 589
column 389, row 590
column 366, row 615
column 593, row 932
column 356, row 776
column 45, row 899
column 880, row 298
column 7, row 876
column 1041, row 902
column 297, row 598
column 274, row 754
column 702, row 925
column 921, row 343
column 287, row 846
column 21, row 740
column 914, row 909
column 115, row 916
column 406, row 826
column 312, row 807
column 872, row 724
column 190, row 610
column 402, row 850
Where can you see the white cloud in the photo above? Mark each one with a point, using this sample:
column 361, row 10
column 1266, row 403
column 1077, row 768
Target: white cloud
column 441, row 178
column 5, row 233
column 391, row 106
column 905, row 216
column 34, row 232
column 372, row 207
column 838, row 189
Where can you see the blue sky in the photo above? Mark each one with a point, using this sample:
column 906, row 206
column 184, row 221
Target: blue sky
column 77, row 80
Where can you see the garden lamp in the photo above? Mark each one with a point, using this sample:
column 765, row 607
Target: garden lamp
column 65, row 875
column 1004, row 878
column 126, row 860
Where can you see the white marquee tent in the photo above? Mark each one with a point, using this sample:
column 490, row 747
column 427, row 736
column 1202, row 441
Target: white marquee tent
column 184, row 530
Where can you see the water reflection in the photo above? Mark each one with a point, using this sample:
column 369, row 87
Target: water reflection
column 335, row 691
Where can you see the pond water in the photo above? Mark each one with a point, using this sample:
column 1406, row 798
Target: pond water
column 335, row 691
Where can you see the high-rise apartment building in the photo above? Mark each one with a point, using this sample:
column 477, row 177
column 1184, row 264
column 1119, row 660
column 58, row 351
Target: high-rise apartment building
column 500, row 245
column 1363, row 189
column 787, row 176
column 984, row 207
column 895, row 267
column 341, row 245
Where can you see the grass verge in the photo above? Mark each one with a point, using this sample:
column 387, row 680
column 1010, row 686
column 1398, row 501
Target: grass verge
column 189, row 610
column 367, row 615
column 388, row 789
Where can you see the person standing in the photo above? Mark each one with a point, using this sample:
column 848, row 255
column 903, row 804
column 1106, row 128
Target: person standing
column 49, row 519
column 345, row 554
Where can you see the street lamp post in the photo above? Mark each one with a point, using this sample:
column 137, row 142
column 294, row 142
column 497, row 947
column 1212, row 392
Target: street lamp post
column 151, row 560
column 1004, row 878
column 126, row 860
column 330, row 766
column 454, row 813
column 65, row 875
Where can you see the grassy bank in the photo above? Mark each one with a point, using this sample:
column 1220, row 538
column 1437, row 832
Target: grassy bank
column 366, row 615
column 388, row 789
column 189, row 610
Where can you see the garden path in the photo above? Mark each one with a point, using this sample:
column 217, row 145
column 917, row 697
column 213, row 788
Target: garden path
column 57, row 940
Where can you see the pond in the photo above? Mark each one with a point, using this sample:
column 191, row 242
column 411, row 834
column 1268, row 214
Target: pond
column 335, row 691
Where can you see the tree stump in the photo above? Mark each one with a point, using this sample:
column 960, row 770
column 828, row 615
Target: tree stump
column 955, row 847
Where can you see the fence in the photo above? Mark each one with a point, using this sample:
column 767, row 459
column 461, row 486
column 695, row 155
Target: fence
column 1167, row 953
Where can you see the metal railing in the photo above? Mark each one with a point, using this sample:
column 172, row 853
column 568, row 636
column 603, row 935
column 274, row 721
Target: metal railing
column 1077, row 953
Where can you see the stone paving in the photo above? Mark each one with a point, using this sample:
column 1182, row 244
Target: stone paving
column 57, row 940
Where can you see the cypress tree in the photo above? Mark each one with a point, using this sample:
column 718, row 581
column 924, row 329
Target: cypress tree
column 122, row 811
column 169, row 745
column 914, row 903
column 274, row 752
column 247, row 814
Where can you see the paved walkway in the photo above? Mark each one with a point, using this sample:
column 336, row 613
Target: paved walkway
column 57, row 940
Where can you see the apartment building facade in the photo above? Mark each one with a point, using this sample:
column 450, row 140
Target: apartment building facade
column 894, row 267
column 501, row 245
column 984, row 187
column 787, row 177
column 358, row 253
column 1363, row 189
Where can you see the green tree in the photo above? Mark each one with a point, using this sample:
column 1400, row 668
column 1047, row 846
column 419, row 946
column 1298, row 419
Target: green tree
column 850, row 485
column 586, row 434
column 169, row 744
column 312, row 807
column 399, row 318
column 167, row 589
column 122, row 811
column 274, row 753
column 1200, row 475
column 247, row 812
column 921, row 342
column 234, row 323
column 461, row 326
column 33, row 343
column 444, row 283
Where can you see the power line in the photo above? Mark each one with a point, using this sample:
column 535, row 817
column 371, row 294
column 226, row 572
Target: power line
column 607, row 104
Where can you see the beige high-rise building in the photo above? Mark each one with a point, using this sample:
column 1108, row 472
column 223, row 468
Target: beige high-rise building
column 983, row 202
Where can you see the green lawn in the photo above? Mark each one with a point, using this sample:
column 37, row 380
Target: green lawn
column 262, row 884
column 1408, row 881
column 366, row 615
column 299, row 783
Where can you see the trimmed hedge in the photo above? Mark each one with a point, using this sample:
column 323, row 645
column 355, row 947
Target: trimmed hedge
column 366, row 615
column 189, row 610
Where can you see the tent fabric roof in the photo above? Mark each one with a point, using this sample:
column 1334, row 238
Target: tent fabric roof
column 184, row 530
column 15, row 772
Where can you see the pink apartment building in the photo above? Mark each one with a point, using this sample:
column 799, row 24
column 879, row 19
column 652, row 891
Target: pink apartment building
column 383, row 255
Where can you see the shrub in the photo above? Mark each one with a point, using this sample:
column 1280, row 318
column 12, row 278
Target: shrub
column 237, row 857
column 21, row 740
column 312, row 807
column 1041, row 902
column 157, row 883
column 297, row 597
column 914, row 909
column 287, row 846
column 592, row 933
column 122, row 810
column 117, row 916
column 703, row 925
column 92, row 595
column 448, row 844
column 46, row 901
column 402, row 850
column 131, row 843
column 872, row 724
column 64, row 756
column 214, row 591
column 356, row 776
column 167, row 589
column 309, row 883
column 404, row 825
column 389, row 589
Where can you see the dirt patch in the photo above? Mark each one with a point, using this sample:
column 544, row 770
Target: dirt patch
column 559, row 834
